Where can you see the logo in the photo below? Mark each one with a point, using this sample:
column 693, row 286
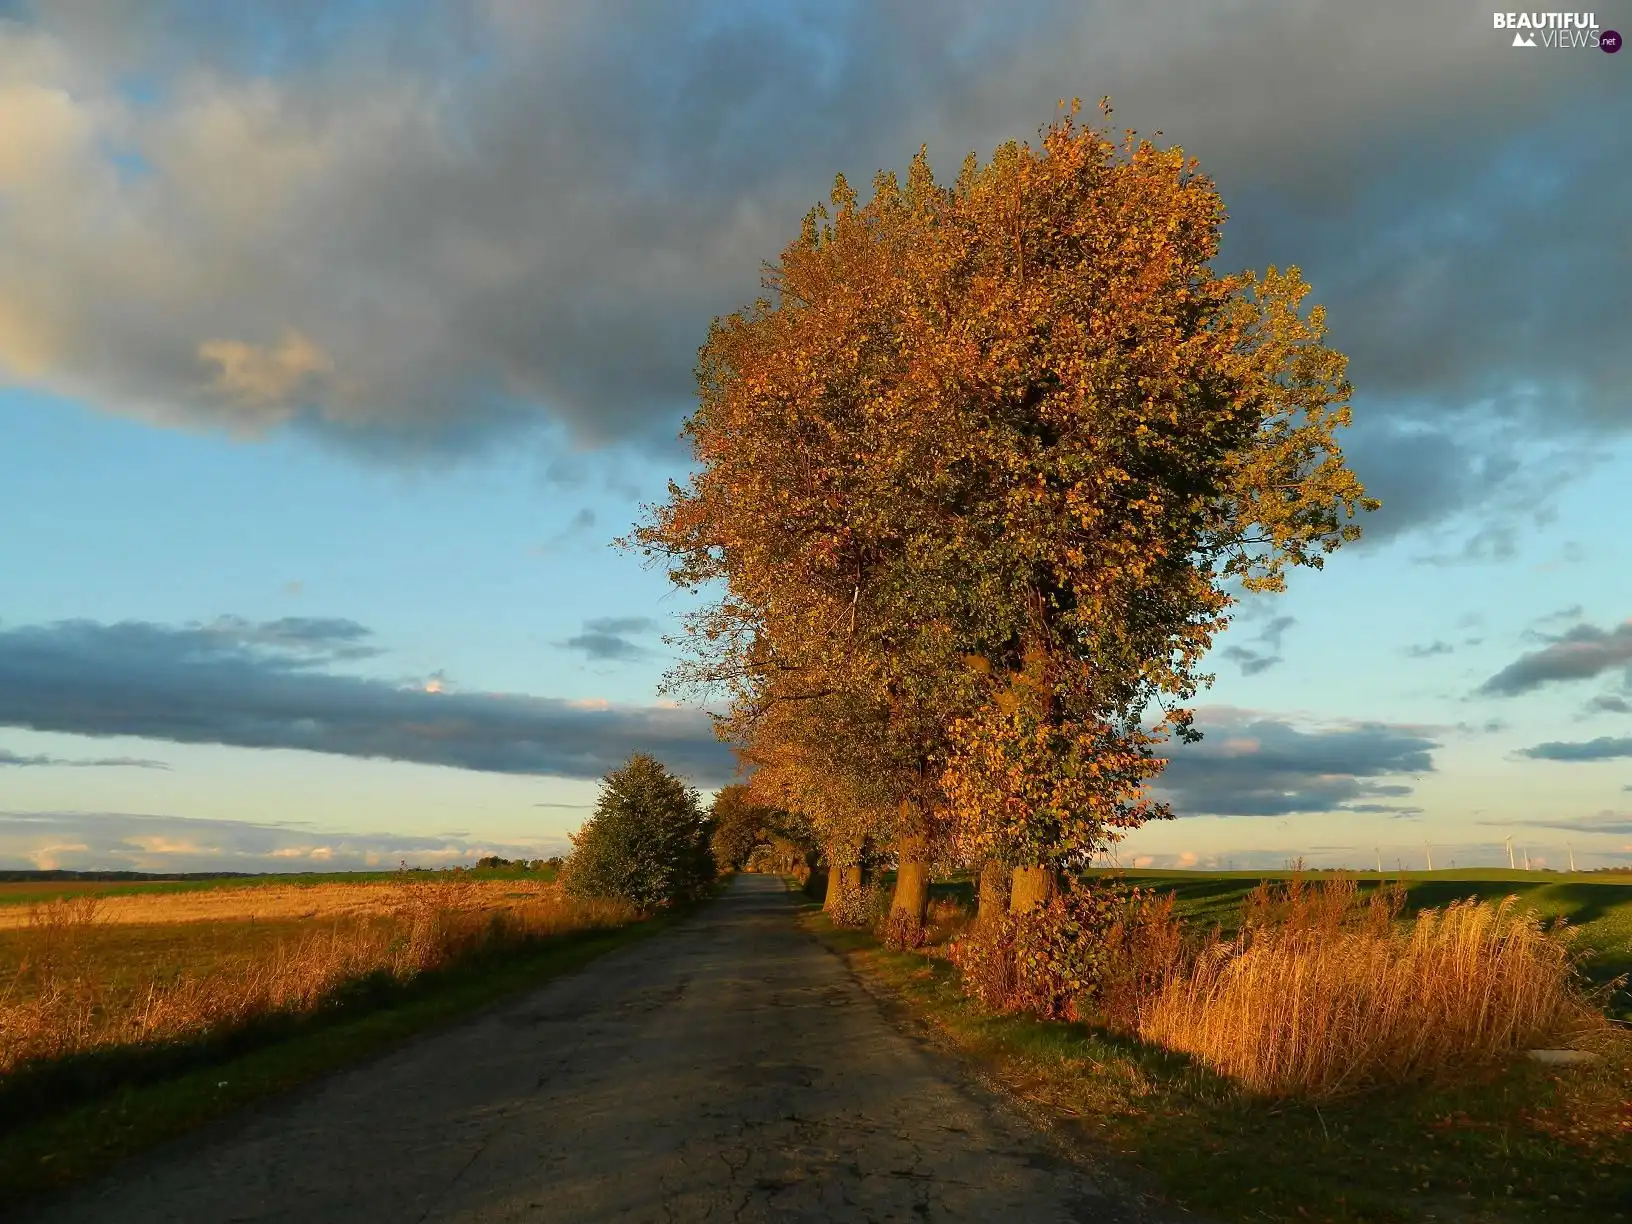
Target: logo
column 1562, row 31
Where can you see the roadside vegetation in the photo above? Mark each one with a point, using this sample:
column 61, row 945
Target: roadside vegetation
column 132, row 1010
column 1365, row 1063
column 978, row 481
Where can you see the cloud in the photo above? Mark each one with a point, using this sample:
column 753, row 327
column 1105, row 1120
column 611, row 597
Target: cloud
column 1578, row 654
column 605, row 639
column 433, row 232
column 579, row 523
column 124, row 841
column 1604, row 748
column 270, row 685
column 39, row 759
column 1433, row 648
column 1557, row 616
column 1253, row 764
column 1609, row 703
column 621, row 624
column 1266, row 649
column 265, row 378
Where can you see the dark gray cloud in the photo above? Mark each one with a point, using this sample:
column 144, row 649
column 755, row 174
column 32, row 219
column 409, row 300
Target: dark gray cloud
column 1604, row 748
column 1577, row 654
column 576, row 526
column 481, row 218
column 125, row 841
column 255, row 688
column 1556, row 617
column 7, row 757
column 1265, row 649
column 1256, row 765
column 1436, row 647
column 1609, row 703
column 315, row 639
column 621, row 624
column 606, row 639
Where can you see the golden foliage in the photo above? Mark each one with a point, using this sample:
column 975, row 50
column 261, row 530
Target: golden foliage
column 1015, row 424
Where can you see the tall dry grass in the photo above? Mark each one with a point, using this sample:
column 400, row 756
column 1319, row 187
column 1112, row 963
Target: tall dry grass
column 1323, row 993
column 58, row 1001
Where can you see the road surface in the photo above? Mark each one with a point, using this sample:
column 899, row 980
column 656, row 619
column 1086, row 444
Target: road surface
column 728, row 1069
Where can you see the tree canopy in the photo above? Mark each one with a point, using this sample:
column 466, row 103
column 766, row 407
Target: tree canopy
column 647, row 842
column 978, row 480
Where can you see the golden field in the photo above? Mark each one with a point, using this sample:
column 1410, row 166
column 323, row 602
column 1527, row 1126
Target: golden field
column 88, row 972
column 260, row 902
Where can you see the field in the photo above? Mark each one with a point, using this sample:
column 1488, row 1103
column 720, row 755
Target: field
column 113, row 994
column 1504, row 1139
column 19, row 888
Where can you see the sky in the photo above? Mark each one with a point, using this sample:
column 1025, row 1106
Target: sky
column 338, row 342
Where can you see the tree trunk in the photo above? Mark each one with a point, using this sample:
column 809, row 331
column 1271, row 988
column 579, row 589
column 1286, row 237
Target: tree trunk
column 1033, row 886
column 911, row 899
column 843, row 877
column 993, row 897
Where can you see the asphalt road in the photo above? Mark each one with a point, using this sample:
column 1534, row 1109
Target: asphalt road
column 730, row 1068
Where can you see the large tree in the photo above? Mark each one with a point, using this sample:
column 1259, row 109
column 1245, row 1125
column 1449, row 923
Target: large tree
column 988, row 463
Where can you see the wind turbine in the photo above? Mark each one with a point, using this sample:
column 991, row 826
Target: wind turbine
column 1430, row 851
column 1379, row 850
column 1509, row 841
column 1571, row 849
column 1525, row 850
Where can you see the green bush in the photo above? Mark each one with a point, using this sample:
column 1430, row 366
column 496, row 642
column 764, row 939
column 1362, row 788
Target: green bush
column 647, row 843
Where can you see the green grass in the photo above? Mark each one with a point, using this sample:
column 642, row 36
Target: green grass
column 1517, row 1143
column 17, row 889
column 85, row 1116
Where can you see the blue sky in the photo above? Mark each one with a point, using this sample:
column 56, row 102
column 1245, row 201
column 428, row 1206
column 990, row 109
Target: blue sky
column 334, row 352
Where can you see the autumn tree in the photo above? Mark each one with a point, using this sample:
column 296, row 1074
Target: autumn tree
column 742, row 825
column 824, row 757
column 988, row 462
column 739, row 827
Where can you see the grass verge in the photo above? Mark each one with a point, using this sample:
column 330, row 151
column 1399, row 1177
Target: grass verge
column 1518, row 1143
column 155, row 1096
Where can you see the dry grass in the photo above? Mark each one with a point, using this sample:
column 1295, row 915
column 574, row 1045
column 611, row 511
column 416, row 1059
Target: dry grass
column 1323, row 993
column 62, row 997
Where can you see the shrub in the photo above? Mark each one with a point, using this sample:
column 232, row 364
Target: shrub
column 647, row 842
column 1050, row 960
column 863, row 908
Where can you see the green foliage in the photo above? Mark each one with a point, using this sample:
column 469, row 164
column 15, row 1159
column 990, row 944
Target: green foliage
column 647, row 843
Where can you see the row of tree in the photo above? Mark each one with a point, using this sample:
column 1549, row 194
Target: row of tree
column 977, row 482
